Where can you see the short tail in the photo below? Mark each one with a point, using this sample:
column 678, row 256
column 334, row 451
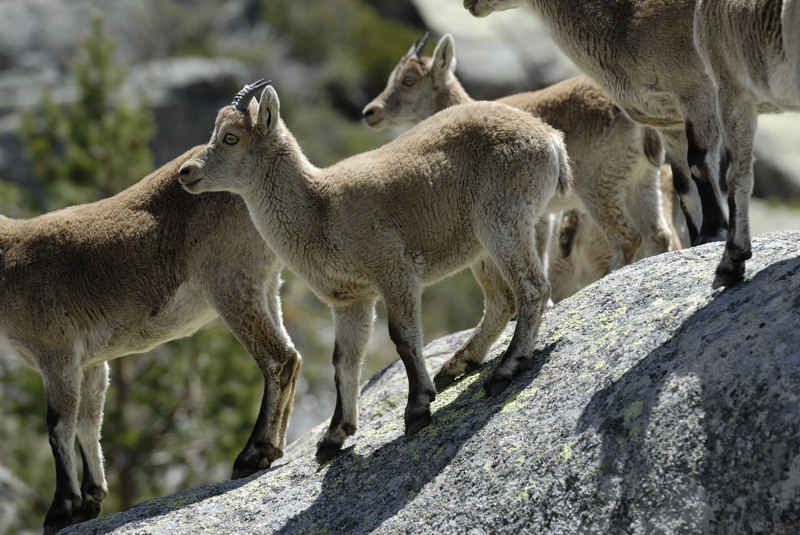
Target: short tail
column 653, row 147
column 567, row 231
column 564, row 169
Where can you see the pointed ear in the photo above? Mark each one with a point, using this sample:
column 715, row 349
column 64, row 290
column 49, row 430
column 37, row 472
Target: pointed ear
column 269, row 108
column 444, row 58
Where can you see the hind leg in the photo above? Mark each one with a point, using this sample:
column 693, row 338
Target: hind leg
column 94, row 488
column 498, row 309
column 696, row 166
column 519, row 264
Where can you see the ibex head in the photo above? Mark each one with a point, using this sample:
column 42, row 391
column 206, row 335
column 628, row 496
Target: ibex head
column 246, row 135
column 411, row 91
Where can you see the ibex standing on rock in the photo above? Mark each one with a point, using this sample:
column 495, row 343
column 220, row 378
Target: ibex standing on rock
column 463, row 188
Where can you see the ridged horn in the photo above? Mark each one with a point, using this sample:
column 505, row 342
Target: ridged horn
column 419, row 45
column 243, row 97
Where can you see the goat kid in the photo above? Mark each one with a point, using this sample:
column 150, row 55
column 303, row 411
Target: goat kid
column 89, row 283
column 615, row 161
column 461, row 189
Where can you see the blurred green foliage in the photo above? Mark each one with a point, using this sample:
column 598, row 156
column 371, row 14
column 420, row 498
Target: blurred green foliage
column 93, row 146
column 359, row 48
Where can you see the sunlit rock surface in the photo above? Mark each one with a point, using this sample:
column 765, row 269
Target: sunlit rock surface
column 656, row 405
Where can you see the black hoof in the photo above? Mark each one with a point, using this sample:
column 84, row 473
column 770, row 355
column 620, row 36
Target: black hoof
column 88, row 510
column 417, row 422
column 495, row 386
column 239, row 473
column 254, row 459
column 327, row 450
column 728, row 276
column 55, row 522
column 442, row 381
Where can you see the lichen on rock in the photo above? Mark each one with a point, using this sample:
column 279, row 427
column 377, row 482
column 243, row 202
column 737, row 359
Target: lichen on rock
column 656, row 405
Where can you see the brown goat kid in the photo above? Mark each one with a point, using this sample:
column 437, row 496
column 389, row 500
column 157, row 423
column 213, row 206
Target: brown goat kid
column 463, row 188
column 89, row 283
column 615, row 161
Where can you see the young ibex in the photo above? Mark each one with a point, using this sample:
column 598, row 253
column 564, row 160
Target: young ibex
column 615, row 161
column 642, row 53
column 752, row 52
column 463, row 188
column 89, row 283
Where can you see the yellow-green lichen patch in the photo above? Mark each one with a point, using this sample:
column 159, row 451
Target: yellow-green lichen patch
column 747, row 318
column 518, row 401
column 524, row 493
column 595, row 367
column 511, row 448
column 566, row 453
column 610, row 319
column 633, row 411
column 387, row 405
column 455, row 390
column 570, row 320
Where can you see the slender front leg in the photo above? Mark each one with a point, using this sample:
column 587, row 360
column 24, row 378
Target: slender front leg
column 498, row 309
column 739, row 119
column 402, row 308
column 62, row 384
column 251, row 310
column 353, row 324
column 94, row 488
column 608, row 211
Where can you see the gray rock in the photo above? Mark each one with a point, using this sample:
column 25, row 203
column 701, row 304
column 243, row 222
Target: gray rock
column 185, row 94
column 656, row 405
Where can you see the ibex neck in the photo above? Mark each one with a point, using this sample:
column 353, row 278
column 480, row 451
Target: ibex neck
column 285, row 206
column 452, row 94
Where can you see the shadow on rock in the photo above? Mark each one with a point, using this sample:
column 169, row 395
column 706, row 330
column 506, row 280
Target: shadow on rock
column 707, row 423
column 359, row 492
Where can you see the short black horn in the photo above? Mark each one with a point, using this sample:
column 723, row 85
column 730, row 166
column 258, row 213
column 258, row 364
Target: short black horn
column 419, row 45
column 243, row 97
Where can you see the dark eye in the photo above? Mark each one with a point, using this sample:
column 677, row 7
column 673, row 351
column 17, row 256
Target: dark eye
column 408, row 81
column 230, row 139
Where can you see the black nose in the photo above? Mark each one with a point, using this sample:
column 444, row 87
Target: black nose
column 369, row 111
column 184, row 175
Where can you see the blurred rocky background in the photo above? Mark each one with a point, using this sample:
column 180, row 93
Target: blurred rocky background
column 176, row 417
